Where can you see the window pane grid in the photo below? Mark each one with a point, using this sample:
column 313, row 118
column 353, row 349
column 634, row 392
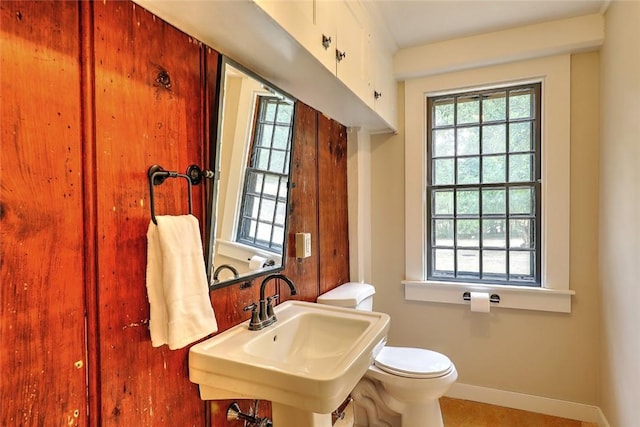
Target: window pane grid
column 260, row 215
column 262, row 212
column 483, row 188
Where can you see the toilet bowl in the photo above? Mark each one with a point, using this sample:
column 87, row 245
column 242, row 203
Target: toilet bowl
column 402, row 386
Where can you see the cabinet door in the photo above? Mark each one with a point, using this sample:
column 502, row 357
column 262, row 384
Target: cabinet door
column 383, row 85
column 326, row 23
column 300, row 19
column 352, row 43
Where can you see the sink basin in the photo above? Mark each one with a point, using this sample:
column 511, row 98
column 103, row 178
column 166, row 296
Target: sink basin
column 306, row 363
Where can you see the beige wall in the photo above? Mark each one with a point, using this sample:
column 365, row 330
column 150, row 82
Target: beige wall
column 545, row 354
column 620, row 215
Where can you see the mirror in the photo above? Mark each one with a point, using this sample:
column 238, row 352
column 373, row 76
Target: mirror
column 247, row 207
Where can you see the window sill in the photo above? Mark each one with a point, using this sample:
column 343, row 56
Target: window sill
column 526, row 298
column 240, row 252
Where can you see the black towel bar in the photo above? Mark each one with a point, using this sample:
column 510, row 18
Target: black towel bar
column 157, row 175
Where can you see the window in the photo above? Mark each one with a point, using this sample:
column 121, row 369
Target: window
column 264, row 197
column 483, row 186
column 545, row 280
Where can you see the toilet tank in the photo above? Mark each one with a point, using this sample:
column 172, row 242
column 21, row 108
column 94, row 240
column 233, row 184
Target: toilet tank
column 351, row 295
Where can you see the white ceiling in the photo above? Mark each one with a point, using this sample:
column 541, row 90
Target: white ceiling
column 418, row 22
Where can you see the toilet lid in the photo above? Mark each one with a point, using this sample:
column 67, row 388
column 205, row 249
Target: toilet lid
column 413, row 362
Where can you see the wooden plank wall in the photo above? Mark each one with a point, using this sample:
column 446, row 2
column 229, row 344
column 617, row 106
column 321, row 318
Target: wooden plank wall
column 333, row 221
column 149, row 100
column 304, row 205
column 42, row 351
column 86, row 108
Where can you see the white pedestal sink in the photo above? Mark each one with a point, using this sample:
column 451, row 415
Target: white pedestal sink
column 306, row 363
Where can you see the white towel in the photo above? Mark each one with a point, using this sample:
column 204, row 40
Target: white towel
column 181, row 310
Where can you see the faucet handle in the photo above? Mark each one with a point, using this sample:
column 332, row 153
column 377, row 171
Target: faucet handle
column 273, row 297
column 253, row 306
column 270, row 314
column 254, row 323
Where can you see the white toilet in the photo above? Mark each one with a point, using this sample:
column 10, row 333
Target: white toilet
column 403, row 385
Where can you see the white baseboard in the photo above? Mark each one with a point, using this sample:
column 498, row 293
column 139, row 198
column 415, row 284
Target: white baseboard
column 528, row 402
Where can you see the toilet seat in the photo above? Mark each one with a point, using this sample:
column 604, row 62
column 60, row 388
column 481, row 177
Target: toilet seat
column 413, row 362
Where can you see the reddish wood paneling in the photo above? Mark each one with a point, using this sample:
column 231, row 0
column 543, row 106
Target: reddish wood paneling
column 89, row 172
column 149, row 109
column 303, row 206
column 42, row 352
column 77, row 139
column 332, row 207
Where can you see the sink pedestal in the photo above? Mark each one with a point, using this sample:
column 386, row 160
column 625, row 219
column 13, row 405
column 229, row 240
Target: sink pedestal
column 288, row 416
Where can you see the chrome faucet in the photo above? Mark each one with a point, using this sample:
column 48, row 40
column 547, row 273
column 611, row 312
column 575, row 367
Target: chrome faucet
column 225, row 267
column 263, row 316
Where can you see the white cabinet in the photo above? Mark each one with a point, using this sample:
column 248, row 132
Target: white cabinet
column 383, row 84
column 352, row 48
column 323, row 48
column 338, row 34
column 313, row 26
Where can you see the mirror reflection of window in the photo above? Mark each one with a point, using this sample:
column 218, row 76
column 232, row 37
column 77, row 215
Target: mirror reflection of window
column 252, row 156
column 261, row 223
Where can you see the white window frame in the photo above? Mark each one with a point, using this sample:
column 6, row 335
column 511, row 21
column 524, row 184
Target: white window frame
column 555, row 75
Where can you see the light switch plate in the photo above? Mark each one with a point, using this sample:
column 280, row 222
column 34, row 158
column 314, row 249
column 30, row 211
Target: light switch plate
column 303, row 245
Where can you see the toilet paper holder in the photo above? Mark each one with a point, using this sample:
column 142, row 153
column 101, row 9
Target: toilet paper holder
column 494, row 298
